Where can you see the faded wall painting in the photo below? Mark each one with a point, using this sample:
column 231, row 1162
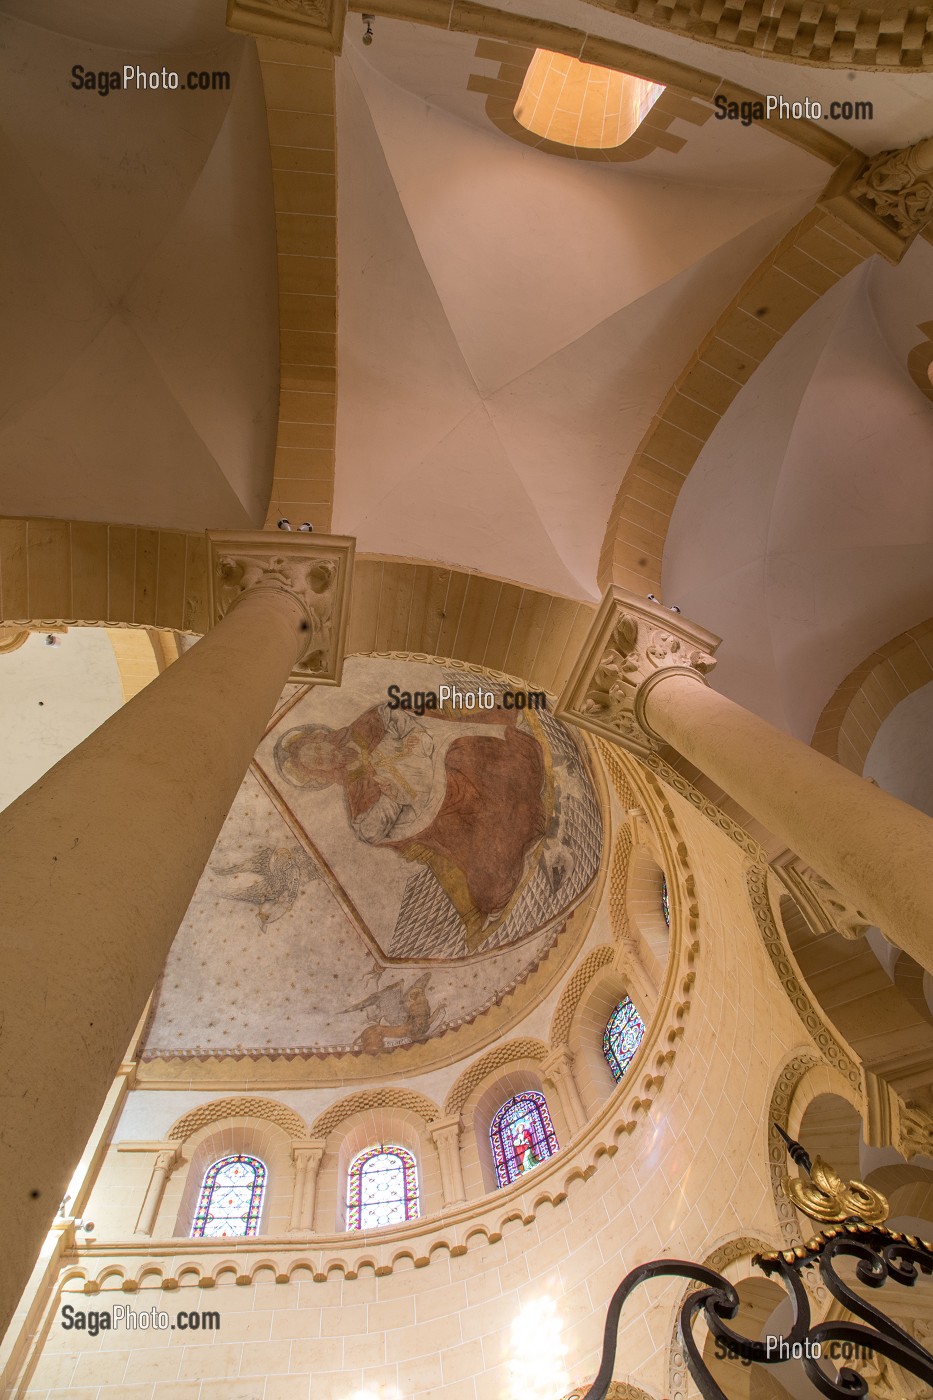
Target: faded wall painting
column 400, row 871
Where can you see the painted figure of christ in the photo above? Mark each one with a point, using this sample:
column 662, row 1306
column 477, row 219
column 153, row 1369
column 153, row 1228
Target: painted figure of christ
column 466, row 798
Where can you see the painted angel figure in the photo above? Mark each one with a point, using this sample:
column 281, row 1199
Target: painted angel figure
column 525, row 1151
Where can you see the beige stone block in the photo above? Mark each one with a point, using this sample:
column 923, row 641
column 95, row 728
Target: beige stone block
column 287, row 1388
column 441, row 1302
column 322, row 1354
column 335, row 1385
column 177, row 1390
column 304, row 192
column 104, row 1368
column 421, row 1374
column 219, row 1359
column 306, row 158
column 692, row 417
column 343, row 1321
column 310, row 235
column 799, row 265
column 307, row 312
column 151, row 1364
column 745, row 331
column 292, row 89
column 295, row 1325
column 55, row 1369
column 460, row 1362
column 247, row 1389
column 265, row 1358
column 710, row 387
column 674, row 446
column 368, row 1350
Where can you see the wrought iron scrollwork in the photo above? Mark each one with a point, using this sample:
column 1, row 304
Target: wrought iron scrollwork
column 881, row 1256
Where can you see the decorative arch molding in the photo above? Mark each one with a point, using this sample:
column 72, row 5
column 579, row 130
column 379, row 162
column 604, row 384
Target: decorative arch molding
column 493, row 1062
column 266, row 1109
column 816, row 254
column 365, row 1099
column 728, row 1252
column 830, row 1047
column 825, row 36
column 570, row 997
column 795, row 1068
column 862, row 702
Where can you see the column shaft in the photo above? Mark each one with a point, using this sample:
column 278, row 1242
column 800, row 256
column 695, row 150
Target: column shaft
column 101, row 859
column 875, row 849
column 161, row 1171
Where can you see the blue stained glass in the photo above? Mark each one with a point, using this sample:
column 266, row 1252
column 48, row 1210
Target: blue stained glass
column 665, row 901
column 231, row 1198
column 522, row 1135
column 622, row 1037
column 382, row 1188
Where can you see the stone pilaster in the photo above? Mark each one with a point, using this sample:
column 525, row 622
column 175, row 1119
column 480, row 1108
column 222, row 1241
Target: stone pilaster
column 166, row 1159
column 307, row 1156
column 558, row 1070
column 445, row 1134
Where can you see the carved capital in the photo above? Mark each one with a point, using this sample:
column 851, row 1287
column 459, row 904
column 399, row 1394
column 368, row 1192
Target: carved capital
column 445, row 1130
column 558, row 1065
column 915, row 1131
column 314, row 570
column 887, row 198
column 308, row 1151
column 631, row 645
column 318, row 22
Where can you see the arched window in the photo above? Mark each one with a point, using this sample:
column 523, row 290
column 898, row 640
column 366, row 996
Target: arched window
column 665, row 901
column 231, row 1198
column 522, row 1135
column 622, row 1037
column 382, row 1188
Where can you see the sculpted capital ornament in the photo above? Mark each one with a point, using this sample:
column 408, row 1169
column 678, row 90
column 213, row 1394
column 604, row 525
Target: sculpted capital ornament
column 887, row 198
column 314, row 570
column 632, row 644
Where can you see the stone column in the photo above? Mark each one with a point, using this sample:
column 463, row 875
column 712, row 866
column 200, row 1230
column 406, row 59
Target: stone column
column 162, row 1168
column 101, row 858
column 445, row 1134
column 558, row 1070
column 307, row 1157
column 640, row 682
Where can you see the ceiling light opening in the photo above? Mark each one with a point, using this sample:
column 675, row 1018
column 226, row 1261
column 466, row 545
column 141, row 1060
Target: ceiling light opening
column 579, row 104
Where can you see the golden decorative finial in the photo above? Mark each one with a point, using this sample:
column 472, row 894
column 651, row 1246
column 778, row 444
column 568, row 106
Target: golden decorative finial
column 826, row 1197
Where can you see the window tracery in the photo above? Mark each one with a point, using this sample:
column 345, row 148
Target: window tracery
column 622, row 1037
column 230, row 1203
column 382, row 1188
column 522, row 1135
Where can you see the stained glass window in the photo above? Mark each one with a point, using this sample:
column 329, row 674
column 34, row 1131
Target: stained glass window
column 665, row 901
column 231, row 1198
column 622, row 1037
column 382, row 1188
column 522, row 1135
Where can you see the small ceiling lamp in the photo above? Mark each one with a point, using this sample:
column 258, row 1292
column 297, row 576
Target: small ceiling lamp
column 579, row 104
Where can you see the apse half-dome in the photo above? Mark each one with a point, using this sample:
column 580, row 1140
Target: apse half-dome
column 394, row 868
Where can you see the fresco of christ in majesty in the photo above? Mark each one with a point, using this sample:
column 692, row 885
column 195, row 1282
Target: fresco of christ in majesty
column 468, row 798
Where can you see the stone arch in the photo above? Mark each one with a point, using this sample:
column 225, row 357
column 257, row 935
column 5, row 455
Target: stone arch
column 862, row 701
column 574, row 989
column 222, row 1137
column 369, row 1123
column 268, row 1109
column 599, row 998
column 365, row 1100
column 494, row 1060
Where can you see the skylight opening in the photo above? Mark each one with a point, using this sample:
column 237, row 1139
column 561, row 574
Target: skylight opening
column 579, row 104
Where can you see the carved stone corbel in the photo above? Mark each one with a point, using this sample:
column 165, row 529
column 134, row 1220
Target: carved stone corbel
column 914, row 1130
column 318, row 22
column 632, row 644
column 314, row 570
column 887, row 198
column 826, row 910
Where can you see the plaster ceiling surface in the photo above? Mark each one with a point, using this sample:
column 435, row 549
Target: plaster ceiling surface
column 510, row 320
column 901, row 100
column 140, row 347
column 803, row 534
column 51, row 699
column 382, row 877
column 901, row 758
